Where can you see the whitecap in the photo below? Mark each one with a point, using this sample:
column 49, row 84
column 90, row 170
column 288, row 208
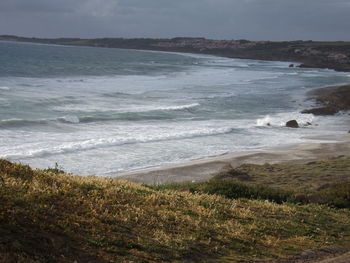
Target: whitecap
column 70, row 119
column 266, row 121
column 177, row 107
column 98, row 143
column 281, row 119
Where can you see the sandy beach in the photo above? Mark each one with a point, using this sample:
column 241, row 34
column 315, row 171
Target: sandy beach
column 204, row 169
column 335, row 97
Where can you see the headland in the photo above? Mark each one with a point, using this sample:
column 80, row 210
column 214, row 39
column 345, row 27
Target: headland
column 310, row 54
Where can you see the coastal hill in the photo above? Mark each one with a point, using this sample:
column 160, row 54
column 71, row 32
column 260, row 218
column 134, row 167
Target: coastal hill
column 49, row 216
column 311, row 54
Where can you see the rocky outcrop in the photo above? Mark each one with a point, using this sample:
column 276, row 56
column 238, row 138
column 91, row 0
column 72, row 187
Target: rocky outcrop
column 332, row 99
column 292, row 124
column 321, row 111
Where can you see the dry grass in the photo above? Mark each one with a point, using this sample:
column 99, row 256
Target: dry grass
column 54, row 217
column 302, row 177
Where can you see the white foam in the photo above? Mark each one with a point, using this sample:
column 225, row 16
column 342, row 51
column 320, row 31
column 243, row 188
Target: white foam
column 4, row 88
column 292, row 73
column 119, row 109
column 116, row 140
column 264, row 121
column 70, row 119
column 281, row 119
column 166, row 108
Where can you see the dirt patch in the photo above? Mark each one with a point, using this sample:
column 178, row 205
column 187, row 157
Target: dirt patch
column 331, row 254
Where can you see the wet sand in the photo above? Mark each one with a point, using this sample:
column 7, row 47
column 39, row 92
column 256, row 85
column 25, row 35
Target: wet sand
column 204, row 169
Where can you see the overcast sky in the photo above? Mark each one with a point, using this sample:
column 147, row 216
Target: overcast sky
column 219, row 19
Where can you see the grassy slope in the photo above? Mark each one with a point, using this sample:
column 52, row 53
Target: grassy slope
column 325, row 181
column 300, row 177
column 50, row 217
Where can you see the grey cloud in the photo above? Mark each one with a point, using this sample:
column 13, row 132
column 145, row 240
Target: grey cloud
column 230, row 19
column 34, row 6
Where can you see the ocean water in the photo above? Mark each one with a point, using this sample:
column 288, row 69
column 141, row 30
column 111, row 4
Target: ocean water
column 98, row 111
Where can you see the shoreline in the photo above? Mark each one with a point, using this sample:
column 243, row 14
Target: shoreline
column 204, row 169
column 207, row 167
column 329, row 100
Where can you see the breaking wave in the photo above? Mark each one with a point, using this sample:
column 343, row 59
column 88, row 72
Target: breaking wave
column 154, row 113
column 282, row 118
column 98, row 143
column 180, row 107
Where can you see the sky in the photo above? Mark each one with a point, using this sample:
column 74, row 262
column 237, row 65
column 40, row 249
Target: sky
column 215, row 19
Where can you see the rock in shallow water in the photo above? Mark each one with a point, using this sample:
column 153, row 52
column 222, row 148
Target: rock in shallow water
column 292, row 124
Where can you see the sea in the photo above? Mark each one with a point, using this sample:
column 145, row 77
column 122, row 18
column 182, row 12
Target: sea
column 104, row 112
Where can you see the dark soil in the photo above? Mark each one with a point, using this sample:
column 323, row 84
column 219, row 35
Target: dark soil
column 317, row 255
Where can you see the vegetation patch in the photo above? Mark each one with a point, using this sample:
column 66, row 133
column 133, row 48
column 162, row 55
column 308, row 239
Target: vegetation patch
column 54, row 217
column 323, row 182
column 310, row 177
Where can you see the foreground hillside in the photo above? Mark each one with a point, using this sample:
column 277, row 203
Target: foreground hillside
column 48, row 216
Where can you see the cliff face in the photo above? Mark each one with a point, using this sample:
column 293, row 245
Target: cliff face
column 332, row 55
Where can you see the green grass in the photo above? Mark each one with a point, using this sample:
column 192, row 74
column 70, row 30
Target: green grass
column 337, row 195
column 233, row 190
column 48, row 216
